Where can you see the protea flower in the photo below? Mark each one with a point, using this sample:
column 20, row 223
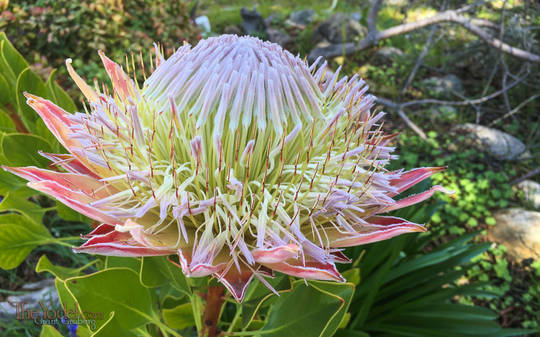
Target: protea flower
column 235, row 155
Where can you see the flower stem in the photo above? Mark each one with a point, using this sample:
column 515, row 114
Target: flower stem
column 214, row 302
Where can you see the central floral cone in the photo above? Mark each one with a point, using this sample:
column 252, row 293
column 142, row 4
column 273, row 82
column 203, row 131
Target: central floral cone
column 235, row 155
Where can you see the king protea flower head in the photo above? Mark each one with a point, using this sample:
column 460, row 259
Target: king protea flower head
column 235, row 155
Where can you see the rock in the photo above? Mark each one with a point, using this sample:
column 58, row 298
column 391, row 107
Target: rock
column 397, row 3
column 233, row 29
column 387, row 55
column 340, row 28
column 253, row 23
column 531, row 192
column 356, row 16
column 203, row 23
column 40, row 291
column 323, row 44
column 443, row 86
column 272, row 19
column 445, row 112
column 519, row 231
column 301, row 18
column 280, row 37
column 494, row 142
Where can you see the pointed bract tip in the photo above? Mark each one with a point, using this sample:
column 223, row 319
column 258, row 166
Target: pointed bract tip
column 30, row 96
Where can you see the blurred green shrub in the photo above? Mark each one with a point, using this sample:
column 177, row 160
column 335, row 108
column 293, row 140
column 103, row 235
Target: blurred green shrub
column 58, row 29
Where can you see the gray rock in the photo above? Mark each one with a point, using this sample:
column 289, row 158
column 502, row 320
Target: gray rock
column 301, row 18
column 387, row 54
column 443, row 87
column 531, row 192
column 272, row 19
column 340, row 28
column 204, row 24
column 233, row 29
column 444, row 111
column 494, row 142
column 280, row 37
column 253, row 23
column 519, row 231
column 357, row 16
column 43, row 291
column 397, row 3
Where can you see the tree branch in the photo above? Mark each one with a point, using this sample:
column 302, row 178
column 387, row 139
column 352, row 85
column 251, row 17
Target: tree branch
column 400, row 105
column 451, row 16
column 372, row 20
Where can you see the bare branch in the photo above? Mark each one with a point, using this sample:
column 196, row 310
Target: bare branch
column 410, row 124
column 423, row 53
column 400, row 105
column 372, row 20
column 526, row 176
column 515, row 110
column 451, row 16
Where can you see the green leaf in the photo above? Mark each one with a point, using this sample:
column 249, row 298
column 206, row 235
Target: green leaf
column 113, row 290
column 113, row 328
column 18, row 149
column 179, row 317
column 67, row 299
column 157, row 270
column 44, row 264
column 10, row 183
column 69, row 214
column 5, row 91
column 345, row 291
column 29, row 82
column 58, row 95
column 257, row 296
column 17, row 239
column 31, row 211
column 49, row 331
column 352, row 275
column 132, row 263
column 305, row 311
column 350, row 333
column 11, row 61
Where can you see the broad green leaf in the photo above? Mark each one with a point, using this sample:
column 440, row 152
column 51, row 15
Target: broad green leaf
column 69, row 214
column 10, row 183
column 257, row 296
column 157, row 270
column 179, row 317
column 5, row 92
column 66, row 299
column 49, row 331
column 58, row 95
column 6, row 123
column 123, row 262
column 304, row 311
column 29, row 82
column 17, row 241
column 44, row 264
column 11, row 61
column 29, row 210
column 345, row 291
column 20, row 149
column 112, row 328
column 352, row 275
column 113, row 290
